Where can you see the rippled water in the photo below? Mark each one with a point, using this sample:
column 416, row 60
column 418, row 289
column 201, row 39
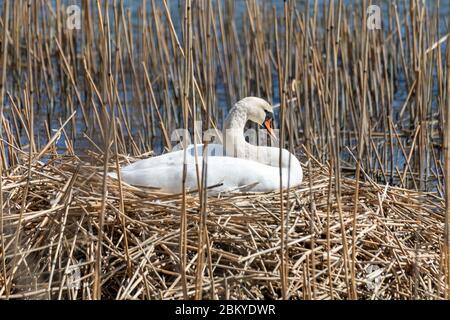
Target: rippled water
column 177, row 7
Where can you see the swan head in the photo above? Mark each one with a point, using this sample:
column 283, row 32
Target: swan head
column 259, row 111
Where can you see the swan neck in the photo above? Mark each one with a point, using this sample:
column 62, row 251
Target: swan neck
column 236, row 119
column 233, row 135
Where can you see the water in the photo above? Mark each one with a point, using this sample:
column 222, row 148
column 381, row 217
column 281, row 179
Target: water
column 177, row 8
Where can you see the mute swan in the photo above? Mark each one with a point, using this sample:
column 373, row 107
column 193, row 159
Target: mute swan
column 240, row 165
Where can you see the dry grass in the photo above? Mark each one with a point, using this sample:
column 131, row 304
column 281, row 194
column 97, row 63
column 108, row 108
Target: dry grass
column 369, row 106
column 398, row 245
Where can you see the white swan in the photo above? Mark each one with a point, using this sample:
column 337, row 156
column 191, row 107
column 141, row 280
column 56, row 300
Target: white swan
column 238, row 166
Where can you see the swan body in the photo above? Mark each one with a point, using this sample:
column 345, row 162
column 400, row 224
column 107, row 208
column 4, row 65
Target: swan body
column 234, row 166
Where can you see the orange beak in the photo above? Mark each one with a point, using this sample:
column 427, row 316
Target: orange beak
column 268, row 124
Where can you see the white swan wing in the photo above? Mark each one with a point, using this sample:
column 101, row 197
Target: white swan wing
column 232, row 174
column 175, row 157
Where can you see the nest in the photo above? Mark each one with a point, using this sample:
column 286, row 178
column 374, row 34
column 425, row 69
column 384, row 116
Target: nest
column 54, row 249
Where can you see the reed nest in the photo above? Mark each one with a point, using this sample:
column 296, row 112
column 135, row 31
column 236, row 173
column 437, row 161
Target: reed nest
column 54, row 248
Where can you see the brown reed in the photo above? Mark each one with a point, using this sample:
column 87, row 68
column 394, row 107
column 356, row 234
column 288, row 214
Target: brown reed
column 65, row 201
column 370, row 108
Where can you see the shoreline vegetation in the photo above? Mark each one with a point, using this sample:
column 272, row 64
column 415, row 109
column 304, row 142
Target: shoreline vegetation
column 366, row 111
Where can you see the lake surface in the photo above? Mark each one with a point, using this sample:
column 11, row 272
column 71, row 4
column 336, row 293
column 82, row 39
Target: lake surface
column 240, row 7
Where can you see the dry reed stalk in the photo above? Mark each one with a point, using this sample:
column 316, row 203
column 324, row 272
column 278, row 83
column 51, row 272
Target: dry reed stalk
column 281, row 74
column 447, row 174
column 370, row 106
column 2, row 96
column 243, row 249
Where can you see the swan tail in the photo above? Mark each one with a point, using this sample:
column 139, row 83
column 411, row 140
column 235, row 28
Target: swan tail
column 112, row 175
column 245, row 188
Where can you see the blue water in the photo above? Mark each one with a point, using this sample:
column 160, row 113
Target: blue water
column 177, row 9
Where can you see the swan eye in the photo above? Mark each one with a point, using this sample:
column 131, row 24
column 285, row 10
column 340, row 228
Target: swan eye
column 268, row 124
column 269, row 118
column 268, row 114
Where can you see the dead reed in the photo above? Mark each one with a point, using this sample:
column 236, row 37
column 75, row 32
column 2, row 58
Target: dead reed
column 398, row 247
column 370, row 108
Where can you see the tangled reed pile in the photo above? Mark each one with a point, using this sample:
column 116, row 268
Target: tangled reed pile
column 369, row 101
column 53, row 215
